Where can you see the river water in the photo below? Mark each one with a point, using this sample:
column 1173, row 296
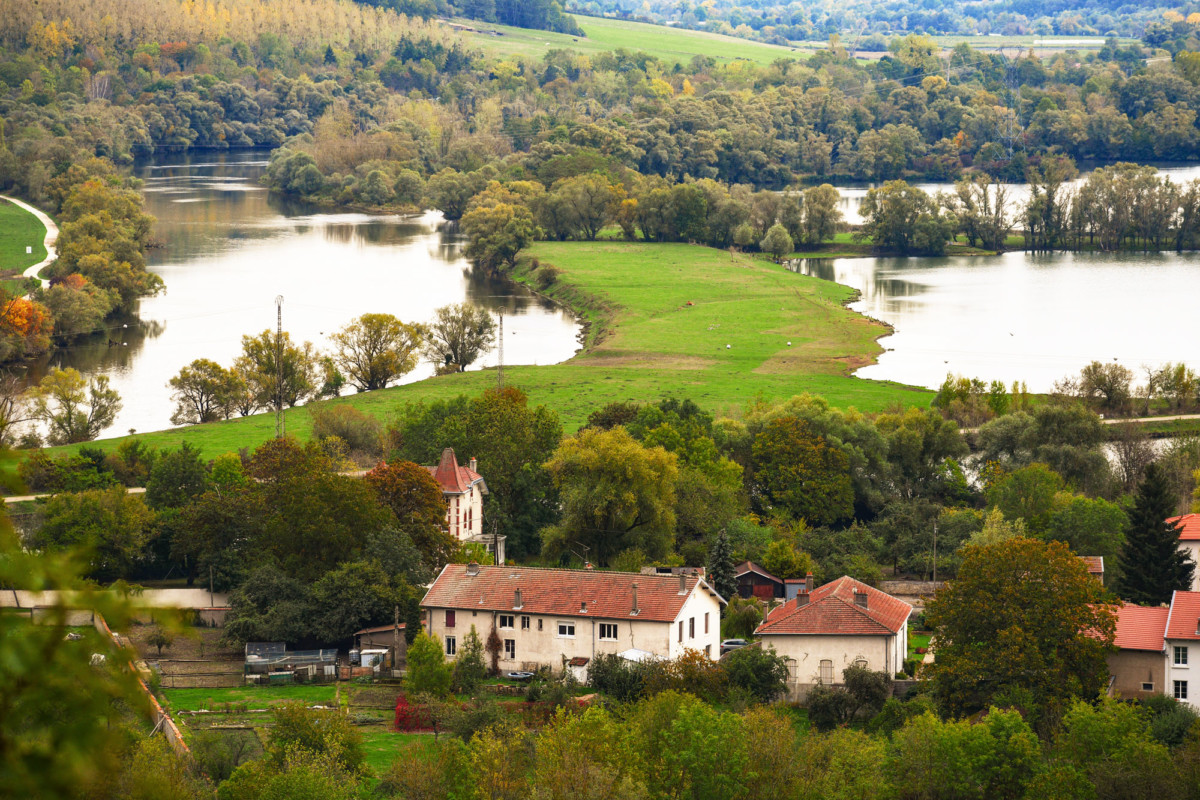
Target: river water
column 229, row 248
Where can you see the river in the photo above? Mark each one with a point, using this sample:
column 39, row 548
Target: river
column 228, row 248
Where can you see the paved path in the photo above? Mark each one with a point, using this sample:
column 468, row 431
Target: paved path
column 27, row 497
column 1120, row 420
column 50, row 240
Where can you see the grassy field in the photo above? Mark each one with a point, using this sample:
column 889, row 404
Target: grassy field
column 251, row 696
column 664, row 320
column 19, row 229
column 672, row 45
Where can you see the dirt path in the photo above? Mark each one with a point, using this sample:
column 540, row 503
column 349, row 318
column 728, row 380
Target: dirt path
column 49, row 241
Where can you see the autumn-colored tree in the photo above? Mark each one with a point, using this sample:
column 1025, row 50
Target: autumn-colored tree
column 616, row 495
column 73, row 408
column 204, row 391
column 801, row 474
column 28, row 323
column 416, row 499
column 1024, row 622
column 376, row 349
column 459, row 334
column 270, row 385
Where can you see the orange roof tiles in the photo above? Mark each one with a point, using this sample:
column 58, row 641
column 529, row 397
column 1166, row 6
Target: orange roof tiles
column 832, row 610
column 1190, row 526
column 562, row 592
column 450, row 476
column 1141, row 627
column 1184, row 621
column 1095, row 564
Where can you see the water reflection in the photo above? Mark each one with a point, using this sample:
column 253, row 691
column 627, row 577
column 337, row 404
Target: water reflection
column 226, row 248
column 1017, row 316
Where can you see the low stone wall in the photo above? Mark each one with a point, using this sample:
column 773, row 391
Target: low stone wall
column 798, row 692
column 910, row 588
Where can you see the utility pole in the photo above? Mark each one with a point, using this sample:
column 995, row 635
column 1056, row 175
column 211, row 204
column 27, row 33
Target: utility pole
column 396, row 642
column 935, row 551
column 279, row 424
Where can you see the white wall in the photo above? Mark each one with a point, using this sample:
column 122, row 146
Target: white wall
column 805, row 653
column 1189, row 672
column 700, row 603
column 464, row 513
column 1192, row 548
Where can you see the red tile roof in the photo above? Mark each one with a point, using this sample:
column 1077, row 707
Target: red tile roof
column 1190, row 526
column 563, row 592
column 450, row 476
column 832, row 610
column 1141, row 627
column 1184, row 621
column 1095, row 564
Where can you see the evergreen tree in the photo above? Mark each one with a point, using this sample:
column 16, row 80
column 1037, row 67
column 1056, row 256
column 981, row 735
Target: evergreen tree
column 1152, row 565
column 469, row 667
column 720, row 567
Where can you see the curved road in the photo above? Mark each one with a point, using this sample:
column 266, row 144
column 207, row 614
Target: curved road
column 51, row 238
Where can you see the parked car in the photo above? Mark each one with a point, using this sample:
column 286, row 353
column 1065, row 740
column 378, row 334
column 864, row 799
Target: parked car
column 729, row 645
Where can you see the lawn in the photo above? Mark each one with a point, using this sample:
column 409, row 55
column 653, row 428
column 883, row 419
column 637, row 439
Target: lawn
column 383, row 746
column 916, row 640
column 665, row 320
column 19, row 229
column 671, row 45
column 250, row 696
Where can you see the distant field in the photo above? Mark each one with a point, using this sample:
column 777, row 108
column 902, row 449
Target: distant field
column 661, row 317
column 19, row 229
column 1042, row 45
column 672, row 45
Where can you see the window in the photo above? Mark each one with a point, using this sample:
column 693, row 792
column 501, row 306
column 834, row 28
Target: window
column 608, row 631
column 1147, row 687
column 566, row 630
column 1181, row 656
column 525, row 623
column 510, row 649
column 451, row 645
column 449, row 618
column 826, row 675
column 706, row 624
column 507, row 621
column 860, row 662
column 692, row 628
column 1181, row 690
column 681, row 630
column 539, row 624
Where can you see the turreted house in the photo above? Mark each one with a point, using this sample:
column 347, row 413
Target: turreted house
column 463, row 489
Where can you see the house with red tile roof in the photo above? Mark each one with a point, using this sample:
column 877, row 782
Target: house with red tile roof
column 1095, row 566
column 463, row 489
column 841, row 624
column 543, row 616
column 1183, row 648
column 1189, row 542
column 1139, row 667
column 754, row 581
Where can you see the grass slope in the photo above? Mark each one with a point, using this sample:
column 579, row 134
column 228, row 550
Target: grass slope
column 645, row 342
column 19, row 229
column 672, row 45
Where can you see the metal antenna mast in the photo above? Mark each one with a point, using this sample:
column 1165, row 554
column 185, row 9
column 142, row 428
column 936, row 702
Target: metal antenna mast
column 500, row 370
column 279, row 424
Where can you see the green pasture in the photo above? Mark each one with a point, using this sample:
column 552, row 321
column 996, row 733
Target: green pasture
column 19, row 229
column 664, row 320
column 250, row 696
column 671, row 45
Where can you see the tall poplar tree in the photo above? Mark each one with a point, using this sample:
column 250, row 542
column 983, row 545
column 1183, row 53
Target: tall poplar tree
column 1152, row 565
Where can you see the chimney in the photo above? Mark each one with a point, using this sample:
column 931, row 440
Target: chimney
column 517, row 604
column 860, row 598
column 808, row 583
column 473, row 464
column 634, row 611
column 683, row 584
column 472, row 569
column 801, row 598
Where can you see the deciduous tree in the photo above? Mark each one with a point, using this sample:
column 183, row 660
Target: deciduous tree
column 73, row 408
column 1023, row 618
column 204, row 391
column 800, row 473
column 376, row 349
column 459, row 335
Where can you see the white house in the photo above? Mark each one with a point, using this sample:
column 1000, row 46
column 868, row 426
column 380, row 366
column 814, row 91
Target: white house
column 1183, row 648
column 543, row 616
column 843, row 623
column 463, row 489
column 1189, row 542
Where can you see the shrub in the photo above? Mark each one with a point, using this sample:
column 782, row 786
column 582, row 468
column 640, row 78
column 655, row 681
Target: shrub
column 361, row 432
column 761, row 672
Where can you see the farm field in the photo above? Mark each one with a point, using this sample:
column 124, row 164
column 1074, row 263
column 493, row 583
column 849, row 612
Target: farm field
column 672, row 45
column 664, row 320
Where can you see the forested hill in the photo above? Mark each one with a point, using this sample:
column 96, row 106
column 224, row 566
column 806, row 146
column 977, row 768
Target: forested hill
column 778, row 21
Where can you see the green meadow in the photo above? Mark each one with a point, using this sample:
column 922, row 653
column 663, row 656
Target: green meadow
column 662, row 320
column 19, row 229
column 671, row 45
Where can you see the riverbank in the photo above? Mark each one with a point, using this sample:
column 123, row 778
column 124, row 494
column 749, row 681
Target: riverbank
column 663, row 319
